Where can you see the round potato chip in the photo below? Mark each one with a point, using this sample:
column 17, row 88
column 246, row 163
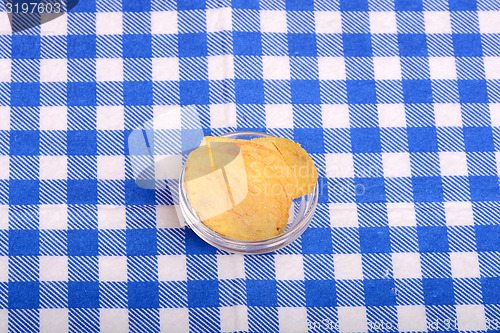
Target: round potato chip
column 199, row 175
column 299, row 161
column 271, row 156
column 236, row 189
column 275, row 164
column 262, row 214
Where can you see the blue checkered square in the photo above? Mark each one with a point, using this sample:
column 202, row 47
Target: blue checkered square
column 82, row 243
column 491, row 293
column 83, row 295
column 379, row 292
column 194, row 92
column 203, row 293
column 408, row 5
column 130, row 43
column 374, row 240
column 143, row 295
column 302, row 44
column 485, row 237
column 438, row 291
column 412, row 45
column 23, row 295
column 321, row 293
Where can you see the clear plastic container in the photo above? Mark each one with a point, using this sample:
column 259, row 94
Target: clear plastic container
column 301, row 214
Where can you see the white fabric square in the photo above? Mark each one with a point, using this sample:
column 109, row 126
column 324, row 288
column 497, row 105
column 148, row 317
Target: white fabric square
column 406, row 265
column 383, row 22
column 331, row 68
column 343, row 215
column 352, row 319
column 109, row 23
column 396, row 164
column 221, row 67
column 54, row 321
column 437, row 22
column 53, row 268
column 411, row 318
column 172, row 268
column 292, row 320
column 471, row 318
column 110, row 118
column 273, row 21
column 448, row 114
column 231, row 266
column 111, row 217
column 222, row 115
column 4, row 217
column 387, row 68
column 339, row 165
column 401, row 214
column 335, row 115
column 4, row 166
column 279, row 116
column 166, row 117
column 219, row 19
column 164, row 22
column 53, row 167
column 53, row 217
column 109, row 69
column 4, row 269
column 4, row 118
column 5, row 67
column 53, row 118
column 112, row 268
column 166, row 69
column 168, row 217
column 347, row 266
column 276, row 68
column 328, row 22
column 464, row 265
column 442, row 68
column 458, row 213
column 453, row 163
column 289, row 267
column 494, row 114
column 492, row 67
column 111, row 167
column 4, row 313
column 113, row 320
column 5, row 27
column 391, row 115
column 54, row 24
column 174, row 320
column 233, row 318
column 53, row 70
column 488, row 22
column 168, row 166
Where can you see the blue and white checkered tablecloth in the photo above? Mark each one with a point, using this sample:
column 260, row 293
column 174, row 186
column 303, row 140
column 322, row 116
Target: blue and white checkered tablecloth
column 398, row 102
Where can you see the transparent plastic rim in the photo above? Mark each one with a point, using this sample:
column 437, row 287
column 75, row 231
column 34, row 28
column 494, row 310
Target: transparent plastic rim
column 247, row 247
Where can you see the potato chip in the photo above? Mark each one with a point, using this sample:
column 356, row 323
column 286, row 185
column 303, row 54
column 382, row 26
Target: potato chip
column 299, row 161
column 261, row 215
column 271, row 157
column 275, row 164
column 243, row 189
column 199, row 176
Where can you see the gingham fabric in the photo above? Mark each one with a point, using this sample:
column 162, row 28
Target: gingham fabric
column 398, row 103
